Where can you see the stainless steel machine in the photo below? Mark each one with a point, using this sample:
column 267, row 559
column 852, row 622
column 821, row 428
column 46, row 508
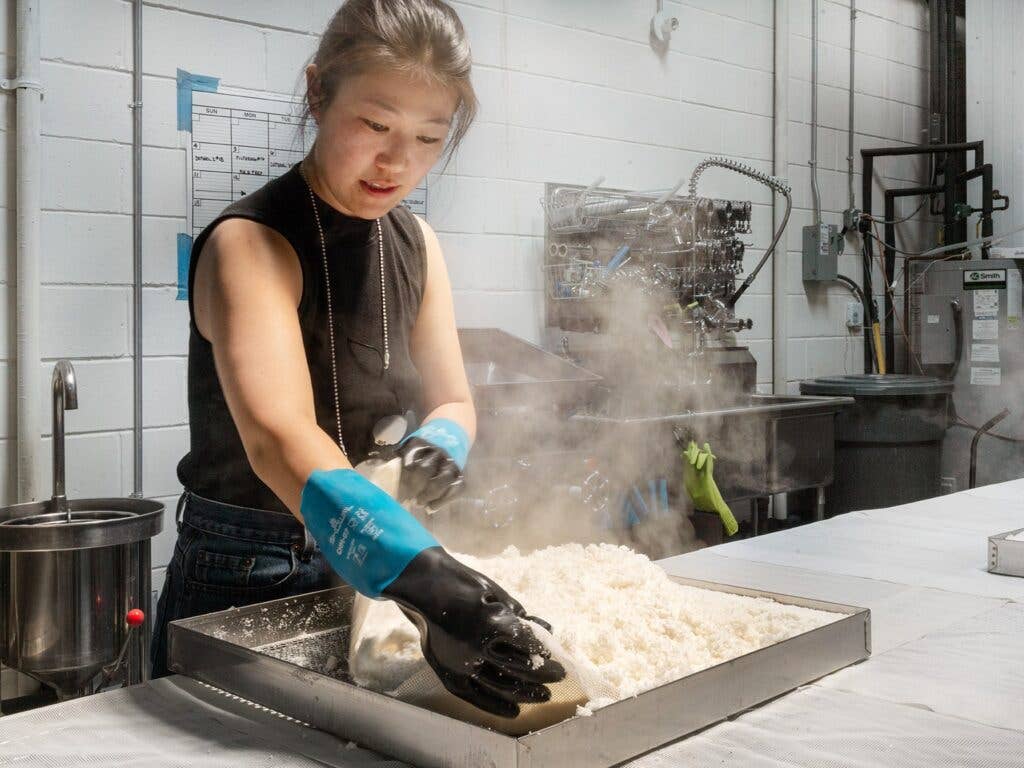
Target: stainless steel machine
column 643, row 289
column 646, row 282
column 965, row 324
column 75, row 579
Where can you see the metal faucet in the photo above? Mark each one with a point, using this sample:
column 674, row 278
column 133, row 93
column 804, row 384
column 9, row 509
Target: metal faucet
column 65, row 397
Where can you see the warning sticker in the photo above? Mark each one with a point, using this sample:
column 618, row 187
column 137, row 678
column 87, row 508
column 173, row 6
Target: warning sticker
column 986, row 304
column 1013, row 299
column 933, row 319
column 985, row 377
column 984, row 353
column 985, row 329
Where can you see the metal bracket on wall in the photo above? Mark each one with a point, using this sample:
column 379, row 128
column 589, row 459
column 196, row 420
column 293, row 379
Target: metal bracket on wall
column 15, row 83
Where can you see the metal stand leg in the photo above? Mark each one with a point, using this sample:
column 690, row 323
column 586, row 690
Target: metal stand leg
column 136, row 668
column 127, row 669
column 145, row 588
column 753, row 515
column 819, row 510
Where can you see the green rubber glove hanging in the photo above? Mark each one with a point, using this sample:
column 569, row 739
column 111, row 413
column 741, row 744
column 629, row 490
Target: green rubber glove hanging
column 698, row 477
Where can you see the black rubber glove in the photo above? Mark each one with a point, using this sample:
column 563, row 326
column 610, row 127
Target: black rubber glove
column 429, row 474
column 473, row 634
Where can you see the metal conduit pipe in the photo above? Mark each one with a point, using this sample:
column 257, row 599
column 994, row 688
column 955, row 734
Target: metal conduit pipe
column 29, row 176
column 849, row 149
column 985, row 173
column 780, row 168
column 136, row 107
column 815, row 193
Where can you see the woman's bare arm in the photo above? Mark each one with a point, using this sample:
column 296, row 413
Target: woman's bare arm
column 246, row 292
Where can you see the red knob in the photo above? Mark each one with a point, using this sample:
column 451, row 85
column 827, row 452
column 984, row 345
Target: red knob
column 135, row 618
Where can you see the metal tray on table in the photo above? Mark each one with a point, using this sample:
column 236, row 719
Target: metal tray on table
column 290, row 655
column 1006, row 557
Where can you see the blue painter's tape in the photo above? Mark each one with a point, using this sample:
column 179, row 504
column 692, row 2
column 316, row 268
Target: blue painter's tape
column 184, row 255
column 188, row 82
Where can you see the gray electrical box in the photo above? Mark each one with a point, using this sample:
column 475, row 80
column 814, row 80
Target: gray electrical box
column 821, row 256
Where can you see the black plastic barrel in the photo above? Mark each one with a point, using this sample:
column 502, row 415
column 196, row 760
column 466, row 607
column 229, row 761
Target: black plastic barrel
column 889, row 444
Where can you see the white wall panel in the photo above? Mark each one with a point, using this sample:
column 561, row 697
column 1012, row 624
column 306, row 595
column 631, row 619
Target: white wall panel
column 570, row 90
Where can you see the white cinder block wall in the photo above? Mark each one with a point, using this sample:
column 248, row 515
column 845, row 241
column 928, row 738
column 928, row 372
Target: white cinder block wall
column 996, row 102
column 571, row 89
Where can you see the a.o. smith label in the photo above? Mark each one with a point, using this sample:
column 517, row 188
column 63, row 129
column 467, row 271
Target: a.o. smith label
column 982, row 279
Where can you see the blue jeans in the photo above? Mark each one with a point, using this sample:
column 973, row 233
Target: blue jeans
column 229, row 556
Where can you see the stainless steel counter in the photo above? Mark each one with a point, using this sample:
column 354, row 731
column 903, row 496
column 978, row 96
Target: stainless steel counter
column 943, row 687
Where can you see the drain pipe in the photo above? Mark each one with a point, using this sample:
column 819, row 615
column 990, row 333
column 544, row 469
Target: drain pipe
column 780, row 168
column 136, row 107
column 29, row 174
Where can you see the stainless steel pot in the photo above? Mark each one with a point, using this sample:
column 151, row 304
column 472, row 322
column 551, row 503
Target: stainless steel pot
column 67, row 588
column 70, row 571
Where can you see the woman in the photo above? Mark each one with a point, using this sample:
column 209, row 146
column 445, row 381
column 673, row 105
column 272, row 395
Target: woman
column 320, row 307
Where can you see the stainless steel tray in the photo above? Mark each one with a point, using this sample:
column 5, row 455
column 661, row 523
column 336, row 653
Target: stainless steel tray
column 272, row 653
column 1004, row 556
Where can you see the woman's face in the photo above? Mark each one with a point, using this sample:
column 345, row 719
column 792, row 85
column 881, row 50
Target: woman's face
column 377, row 139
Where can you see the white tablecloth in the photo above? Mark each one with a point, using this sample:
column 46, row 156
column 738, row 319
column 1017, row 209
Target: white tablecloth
column 944, row 687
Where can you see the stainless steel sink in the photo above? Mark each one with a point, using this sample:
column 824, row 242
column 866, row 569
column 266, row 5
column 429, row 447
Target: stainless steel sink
column 505, row 371
column 764, row 444
column 743, row 405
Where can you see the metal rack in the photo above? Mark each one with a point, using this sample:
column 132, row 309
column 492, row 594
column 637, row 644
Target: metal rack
column 606, row 246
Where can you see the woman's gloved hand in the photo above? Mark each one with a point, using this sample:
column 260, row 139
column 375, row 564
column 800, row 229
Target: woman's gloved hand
column 474, row 635
column 433, row 458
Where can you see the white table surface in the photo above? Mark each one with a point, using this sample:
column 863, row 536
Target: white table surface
column 944, row 686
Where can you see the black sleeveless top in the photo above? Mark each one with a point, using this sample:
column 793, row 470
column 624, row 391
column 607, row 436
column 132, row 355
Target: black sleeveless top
column 216, row 465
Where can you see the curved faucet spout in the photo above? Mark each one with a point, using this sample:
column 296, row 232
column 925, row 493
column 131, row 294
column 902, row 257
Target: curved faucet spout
column 64, row 385
column 65, row 397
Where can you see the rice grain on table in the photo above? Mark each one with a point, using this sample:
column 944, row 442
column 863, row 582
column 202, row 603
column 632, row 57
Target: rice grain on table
column 620, row 617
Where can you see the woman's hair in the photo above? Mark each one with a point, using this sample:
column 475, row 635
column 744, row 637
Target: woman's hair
column 424, row 38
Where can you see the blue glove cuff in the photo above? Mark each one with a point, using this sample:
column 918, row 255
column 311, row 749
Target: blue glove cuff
column 447, row 435
column 366, row 536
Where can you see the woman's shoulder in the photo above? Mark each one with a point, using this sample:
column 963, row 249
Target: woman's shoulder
column 274, row 206
column 408, row 225
column 409, row 232
column 274, row 200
